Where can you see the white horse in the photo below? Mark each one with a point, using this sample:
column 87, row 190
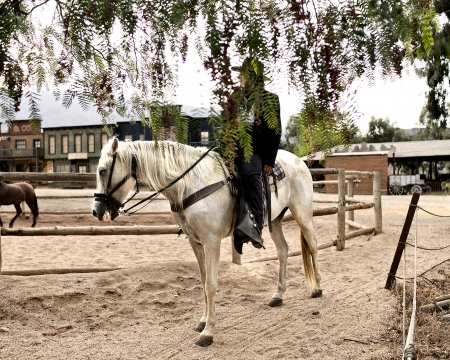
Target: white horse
column 207, row 221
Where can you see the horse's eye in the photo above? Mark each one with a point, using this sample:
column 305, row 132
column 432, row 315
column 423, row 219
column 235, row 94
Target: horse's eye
column 102, row 172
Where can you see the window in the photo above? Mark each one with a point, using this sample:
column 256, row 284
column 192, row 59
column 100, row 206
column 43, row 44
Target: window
column 104, row 139
column 82, row 168
column 64, row 144
column 21, row 144
column 204, row 137
column 63, row 168
column 91, row 143
column 36, row 143
column 128, row 137
column 51, row 145
column 77, row 143
column 141, row 137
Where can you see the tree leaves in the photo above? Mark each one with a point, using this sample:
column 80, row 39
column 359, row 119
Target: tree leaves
column 107, row 51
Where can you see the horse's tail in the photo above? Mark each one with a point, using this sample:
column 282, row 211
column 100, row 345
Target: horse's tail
column 36, row 208
column 307, row 264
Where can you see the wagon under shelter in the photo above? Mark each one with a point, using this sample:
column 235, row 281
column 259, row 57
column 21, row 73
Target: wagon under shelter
column 428, row 159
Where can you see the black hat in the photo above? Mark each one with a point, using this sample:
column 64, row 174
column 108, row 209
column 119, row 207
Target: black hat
column 247, row 63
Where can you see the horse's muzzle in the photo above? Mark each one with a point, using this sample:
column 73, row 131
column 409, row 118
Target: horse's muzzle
column 104, row 211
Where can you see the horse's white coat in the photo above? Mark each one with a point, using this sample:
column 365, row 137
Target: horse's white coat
column 208, row 221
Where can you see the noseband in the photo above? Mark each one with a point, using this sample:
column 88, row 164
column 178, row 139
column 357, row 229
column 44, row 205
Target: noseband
column 107, row 195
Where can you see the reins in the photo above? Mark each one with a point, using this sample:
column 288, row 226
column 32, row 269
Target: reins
column 173, row 182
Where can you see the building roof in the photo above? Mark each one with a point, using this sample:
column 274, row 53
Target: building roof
column 403, row 149
column 55, row 115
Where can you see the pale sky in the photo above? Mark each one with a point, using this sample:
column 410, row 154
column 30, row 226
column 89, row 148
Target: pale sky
column 401, row 100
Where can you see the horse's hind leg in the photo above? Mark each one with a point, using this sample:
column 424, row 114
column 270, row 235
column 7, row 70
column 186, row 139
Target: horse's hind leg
column 282, row 253
column 309, row 255
column 309, row 250
column 18, row 212
column 32, row 207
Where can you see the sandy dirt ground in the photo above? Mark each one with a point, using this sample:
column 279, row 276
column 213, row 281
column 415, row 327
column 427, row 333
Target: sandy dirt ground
column 149, row 309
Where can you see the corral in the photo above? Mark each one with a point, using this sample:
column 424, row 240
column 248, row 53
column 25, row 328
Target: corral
column 148, row 310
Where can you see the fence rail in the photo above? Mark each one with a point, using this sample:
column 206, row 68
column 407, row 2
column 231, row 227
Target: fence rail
column 340, row 210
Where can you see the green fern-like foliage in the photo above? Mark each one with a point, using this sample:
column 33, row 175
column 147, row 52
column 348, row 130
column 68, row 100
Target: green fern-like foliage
column 321, row 130
column 122, row 55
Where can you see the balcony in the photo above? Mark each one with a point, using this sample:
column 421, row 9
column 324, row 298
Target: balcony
column 200, row 143
column 21, row 153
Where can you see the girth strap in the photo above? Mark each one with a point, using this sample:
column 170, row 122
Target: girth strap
column 202, row 193
column 268, row 201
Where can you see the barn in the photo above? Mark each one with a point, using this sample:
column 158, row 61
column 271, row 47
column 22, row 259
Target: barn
column 429, row 160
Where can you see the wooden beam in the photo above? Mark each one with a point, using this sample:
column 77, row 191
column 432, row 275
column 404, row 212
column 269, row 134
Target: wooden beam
column 316, row 212
column 351, row 213
column 84, row 212
column 57, row 271
column 401, row 241
column 35, row 176
column 355, row 224
column 323, row 171
column 359, row 206
column 368, row 174
column 92, row 230
column 340, row 229
column 377, row 202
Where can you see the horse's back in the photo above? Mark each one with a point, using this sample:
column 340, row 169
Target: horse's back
column 295, row 168
column 297, row 189
column 15, row 193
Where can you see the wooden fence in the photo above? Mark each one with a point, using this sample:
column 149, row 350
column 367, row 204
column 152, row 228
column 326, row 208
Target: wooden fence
column 349, row 178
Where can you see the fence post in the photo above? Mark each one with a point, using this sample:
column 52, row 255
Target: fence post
column 235, row 256
column 0, row 250
column 350, row 192
column 377, row 202
column 22, row 205
column 341, row 211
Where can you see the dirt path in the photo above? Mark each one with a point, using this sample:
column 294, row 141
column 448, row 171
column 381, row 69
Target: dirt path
column 150, row 309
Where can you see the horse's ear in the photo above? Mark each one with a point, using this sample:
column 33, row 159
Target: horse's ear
column 114, row 146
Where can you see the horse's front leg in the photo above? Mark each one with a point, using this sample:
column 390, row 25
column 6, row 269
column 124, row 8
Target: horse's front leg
column 200, row 255
column 211, row 255
column 282, row 253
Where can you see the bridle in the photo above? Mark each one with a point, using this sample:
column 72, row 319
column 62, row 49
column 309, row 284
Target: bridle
column 107, row 195
column 109, row 200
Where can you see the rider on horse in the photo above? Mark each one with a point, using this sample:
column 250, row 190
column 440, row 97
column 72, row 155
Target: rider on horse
column 261, row 106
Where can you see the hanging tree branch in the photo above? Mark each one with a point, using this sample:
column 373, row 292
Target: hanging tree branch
column 107, row 46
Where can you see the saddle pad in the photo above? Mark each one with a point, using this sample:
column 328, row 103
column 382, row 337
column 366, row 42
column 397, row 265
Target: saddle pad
column 278, row 171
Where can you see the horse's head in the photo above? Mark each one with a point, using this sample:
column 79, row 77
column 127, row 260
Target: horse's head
column 116, row 176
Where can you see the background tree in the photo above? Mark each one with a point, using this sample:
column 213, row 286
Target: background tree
column 381, row 130
column 97, row 50
column 292, row 135
column 430, row 130
column 436, row 69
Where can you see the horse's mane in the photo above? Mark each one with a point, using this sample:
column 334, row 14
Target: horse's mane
column 158, row 163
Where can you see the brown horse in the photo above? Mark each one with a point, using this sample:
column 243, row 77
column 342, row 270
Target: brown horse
column 14, row 194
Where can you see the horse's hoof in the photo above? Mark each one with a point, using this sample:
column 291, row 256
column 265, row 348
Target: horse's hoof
column 316, row 293
column 200, row 327
column 204, row 341
column 11, row 225
column 33, row 225
column 274, row 302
